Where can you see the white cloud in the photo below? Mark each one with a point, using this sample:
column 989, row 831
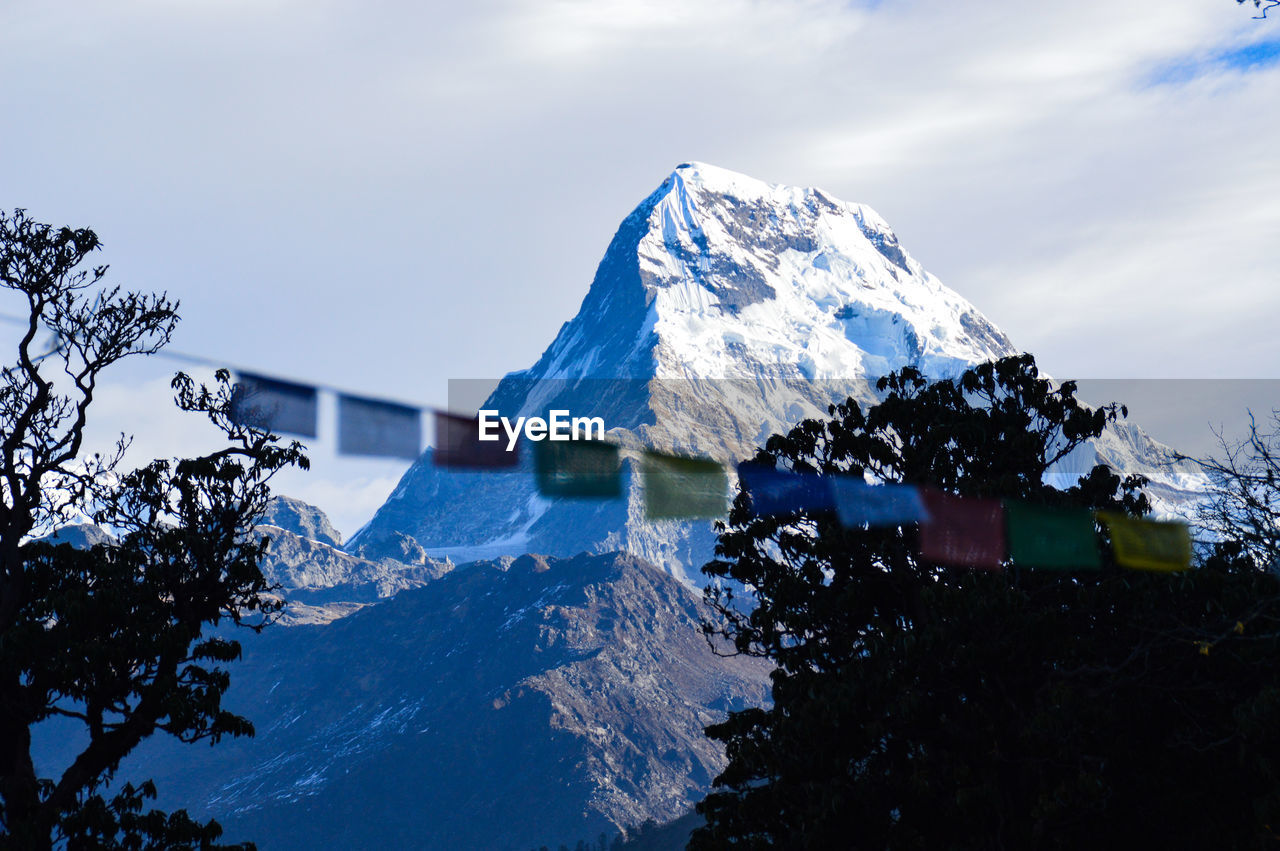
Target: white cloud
column 385, row 196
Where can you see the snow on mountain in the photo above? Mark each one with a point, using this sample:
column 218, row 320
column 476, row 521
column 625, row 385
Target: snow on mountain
column 718, row 275
column 725, row 309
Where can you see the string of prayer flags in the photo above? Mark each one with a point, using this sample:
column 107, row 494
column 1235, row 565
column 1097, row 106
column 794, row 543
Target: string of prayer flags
column 578, row 468
column 1148, row 544
column 861, row 504
column 962, row 531
column 458, row 445
column 776, row 491
column 375, row 427
column 274, row 405
column 1051, row 538
column 677, row 487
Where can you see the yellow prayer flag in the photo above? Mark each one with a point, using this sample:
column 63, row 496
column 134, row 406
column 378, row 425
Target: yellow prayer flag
column 1148, row 544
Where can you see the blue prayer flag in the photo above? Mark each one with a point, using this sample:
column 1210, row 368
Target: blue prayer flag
column 784, row 492
column 375, row 427
column 861, row 504
column 274, row 405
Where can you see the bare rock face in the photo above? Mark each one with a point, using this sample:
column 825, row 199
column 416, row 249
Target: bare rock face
column 302, row 519
column 317, row 614
column 311, row 572
column 505, row 705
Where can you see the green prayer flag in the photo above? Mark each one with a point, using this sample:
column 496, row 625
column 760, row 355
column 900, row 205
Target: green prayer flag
column 578, row 468
column 1148, row 544
column 1051, row 538
column 676, row 487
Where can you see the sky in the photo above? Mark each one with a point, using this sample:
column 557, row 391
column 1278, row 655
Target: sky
column 382, row 196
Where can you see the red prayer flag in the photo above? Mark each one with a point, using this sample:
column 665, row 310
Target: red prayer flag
column 962, row 531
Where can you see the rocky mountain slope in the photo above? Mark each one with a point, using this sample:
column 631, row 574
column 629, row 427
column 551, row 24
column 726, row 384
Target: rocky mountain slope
column 302, row 519
column 505, row 705
column 313, row 572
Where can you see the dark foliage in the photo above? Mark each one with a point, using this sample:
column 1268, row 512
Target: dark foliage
column 1244, row 494
column 115, row 638
column 649, row 836
column 924, row 707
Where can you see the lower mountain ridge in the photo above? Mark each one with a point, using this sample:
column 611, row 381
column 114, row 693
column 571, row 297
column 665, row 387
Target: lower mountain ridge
column 505, row 705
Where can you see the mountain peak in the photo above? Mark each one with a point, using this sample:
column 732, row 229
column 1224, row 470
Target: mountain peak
column 797, row 298
column 722, row 181
column 720, row 275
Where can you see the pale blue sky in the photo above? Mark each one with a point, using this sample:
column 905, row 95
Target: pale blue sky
column 383, row 196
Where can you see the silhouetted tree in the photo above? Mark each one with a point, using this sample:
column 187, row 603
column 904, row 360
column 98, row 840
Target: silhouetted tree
column 917, row 706
column 114, row 638
column 1244, row 498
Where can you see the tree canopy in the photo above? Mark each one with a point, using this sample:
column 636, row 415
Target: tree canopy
column 115, row 639
column 919, row 706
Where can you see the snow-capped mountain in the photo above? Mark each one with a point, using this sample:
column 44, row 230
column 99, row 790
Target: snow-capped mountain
column 718, row 275
column 725, row 309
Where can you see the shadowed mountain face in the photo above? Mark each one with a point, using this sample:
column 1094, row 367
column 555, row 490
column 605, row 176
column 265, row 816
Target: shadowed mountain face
column 725, row 310
column 505, row 705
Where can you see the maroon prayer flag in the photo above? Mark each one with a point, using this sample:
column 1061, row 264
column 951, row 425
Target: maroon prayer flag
column 962, row 531
column 458, row 445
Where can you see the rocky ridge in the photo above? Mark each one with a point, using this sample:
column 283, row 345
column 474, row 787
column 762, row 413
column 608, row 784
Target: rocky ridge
column 504, row 705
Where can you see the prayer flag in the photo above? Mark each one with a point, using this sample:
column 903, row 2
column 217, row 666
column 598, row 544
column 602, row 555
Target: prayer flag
column 375, row 427
column 578, row 468
column 784, row 492
column 683, row 487
column 962, row 531
column 861, row 504
column 1052, row 538
column 1148, row 544
column 274, row 405
column 458, row 445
